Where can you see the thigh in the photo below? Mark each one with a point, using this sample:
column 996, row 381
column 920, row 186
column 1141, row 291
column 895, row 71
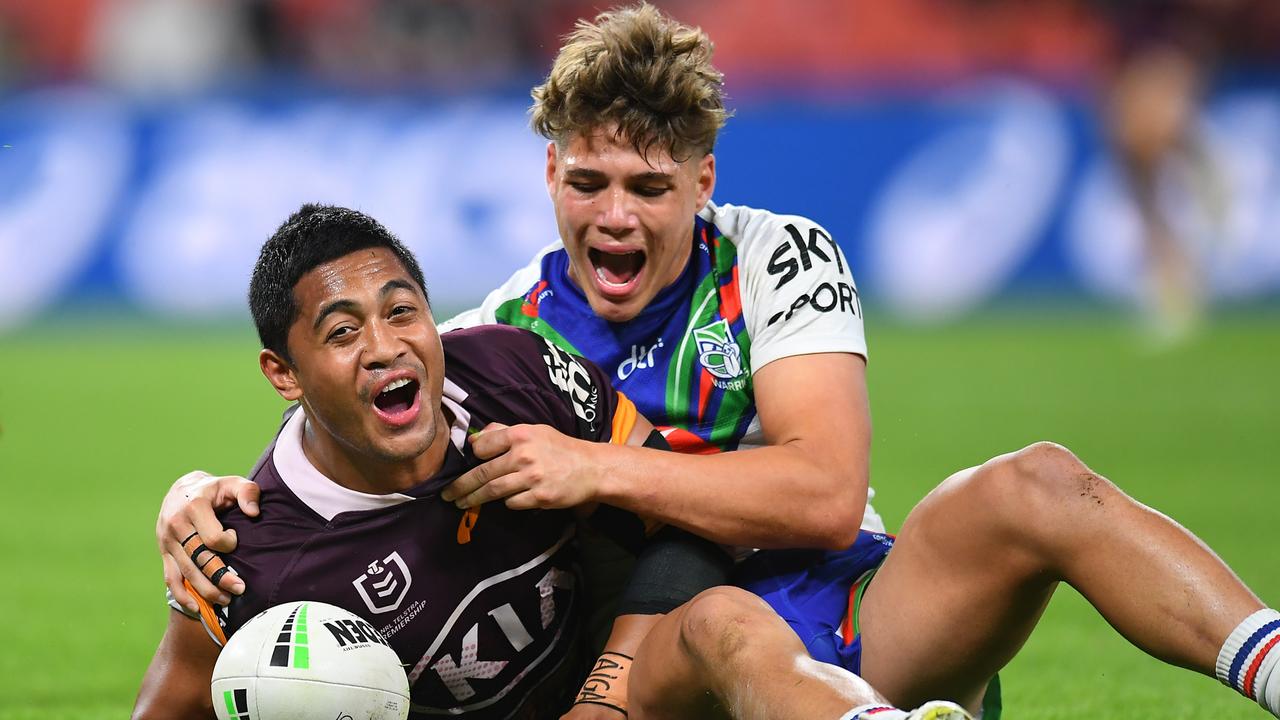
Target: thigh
column 812, row 591
column 952, row 603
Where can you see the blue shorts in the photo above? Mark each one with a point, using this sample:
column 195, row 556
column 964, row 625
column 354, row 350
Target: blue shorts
column 816, row 592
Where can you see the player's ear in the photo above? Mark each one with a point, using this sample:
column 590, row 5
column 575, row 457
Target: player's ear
column 279, row 372
column 706, row 179
column 551, row 168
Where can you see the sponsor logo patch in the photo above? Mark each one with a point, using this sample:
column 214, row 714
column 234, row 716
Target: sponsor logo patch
column 572, row 379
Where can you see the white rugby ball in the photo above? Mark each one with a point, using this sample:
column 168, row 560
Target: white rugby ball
column 309, row 661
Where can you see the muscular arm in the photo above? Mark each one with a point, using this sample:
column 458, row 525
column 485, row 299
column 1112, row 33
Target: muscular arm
column 177, row 681
column 807, row 488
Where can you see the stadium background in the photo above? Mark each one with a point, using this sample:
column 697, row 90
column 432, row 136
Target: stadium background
column 956, row 148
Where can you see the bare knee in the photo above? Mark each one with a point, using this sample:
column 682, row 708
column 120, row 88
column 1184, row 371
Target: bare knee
column 1026, row 489
column 723, row 625
column 1047, row 474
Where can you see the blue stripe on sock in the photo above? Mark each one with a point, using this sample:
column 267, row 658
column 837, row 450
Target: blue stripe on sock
column 1249, row 645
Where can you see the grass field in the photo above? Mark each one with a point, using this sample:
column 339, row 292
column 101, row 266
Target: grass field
column 95, row 421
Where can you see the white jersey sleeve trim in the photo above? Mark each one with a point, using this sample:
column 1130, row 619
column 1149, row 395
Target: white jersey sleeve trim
column 806, row 346
column 514, row 287
column 795, row 300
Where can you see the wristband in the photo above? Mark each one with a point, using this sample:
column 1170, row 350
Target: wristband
column 607, row 683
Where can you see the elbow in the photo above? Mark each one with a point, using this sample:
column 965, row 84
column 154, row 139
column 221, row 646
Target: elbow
column 839, row 517
column 839, row 536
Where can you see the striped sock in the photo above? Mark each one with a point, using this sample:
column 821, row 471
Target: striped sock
column 874, row 712
column 1249, row 658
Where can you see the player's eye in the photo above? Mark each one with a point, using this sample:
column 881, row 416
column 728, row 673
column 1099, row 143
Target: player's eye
column 585, row 187
column 651, row 190
column 400, row 310
column 339, row 333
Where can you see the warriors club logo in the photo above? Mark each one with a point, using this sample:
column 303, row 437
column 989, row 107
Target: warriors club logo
column 718, row 351
column 384, row 583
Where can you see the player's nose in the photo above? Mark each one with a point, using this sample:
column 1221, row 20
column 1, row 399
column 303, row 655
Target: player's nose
column 617, row 214
column 383, row 345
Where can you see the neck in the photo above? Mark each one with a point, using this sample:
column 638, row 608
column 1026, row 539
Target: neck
column 364, row 473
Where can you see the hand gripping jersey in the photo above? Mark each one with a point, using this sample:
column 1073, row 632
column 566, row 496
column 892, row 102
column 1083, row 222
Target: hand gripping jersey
column 758, row 287
column 483, row 610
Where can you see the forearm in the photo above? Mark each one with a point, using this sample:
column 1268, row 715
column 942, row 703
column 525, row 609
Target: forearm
column 788, row 495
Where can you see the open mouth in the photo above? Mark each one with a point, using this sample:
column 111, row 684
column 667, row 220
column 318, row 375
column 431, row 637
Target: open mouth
column 397, row 403
column 616, row 271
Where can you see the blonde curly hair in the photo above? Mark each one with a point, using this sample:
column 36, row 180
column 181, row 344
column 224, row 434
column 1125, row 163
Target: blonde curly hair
column 639, row 71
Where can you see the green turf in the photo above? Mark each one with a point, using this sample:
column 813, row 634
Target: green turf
column 94, row 424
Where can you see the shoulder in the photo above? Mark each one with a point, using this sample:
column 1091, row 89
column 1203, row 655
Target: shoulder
column 774, row 248
column 515, row 287
column 753, row 228
column 495, row 355
column 515, row 375
column 494, row 360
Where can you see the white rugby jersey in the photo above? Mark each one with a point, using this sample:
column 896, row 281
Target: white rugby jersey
column 758, row 287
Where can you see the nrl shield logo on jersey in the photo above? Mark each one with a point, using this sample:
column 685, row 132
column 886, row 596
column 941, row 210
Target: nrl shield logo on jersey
column 384, row 584
column 719, row 353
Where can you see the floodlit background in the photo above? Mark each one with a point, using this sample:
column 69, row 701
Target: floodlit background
column 1064, row 217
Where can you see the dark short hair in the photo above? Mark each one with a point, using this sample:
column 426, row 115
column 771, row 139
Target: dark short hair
column 312, row 236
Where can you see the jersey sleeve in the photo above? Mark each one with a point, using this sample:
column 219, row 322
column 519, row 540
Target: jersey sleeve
column 799, row 296
column 208, row 616
column 513, row 289
column 528, row 379
column 599, row 413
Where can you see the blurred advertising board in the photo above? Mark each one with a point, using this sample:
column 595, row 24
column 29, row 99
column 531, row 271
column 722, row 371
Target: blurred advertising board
column 942, row 201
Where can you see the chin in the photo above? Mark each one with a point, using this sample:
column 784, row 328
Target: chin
column 407, row 447
column 617, row 311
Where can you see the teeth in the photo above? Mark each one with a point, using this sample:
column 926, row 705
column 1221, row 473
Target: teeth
column 605, row 280
column 396, row 385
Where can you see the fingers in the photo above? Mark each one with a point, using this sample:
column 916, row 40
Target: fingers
column 206, row 525
column 209, row 569
column 200, row 513
column 491, row 442
column 497, row 489
column 187, row 555
column 246, row 494
column 523, row 501
column 493, row 480
column 478, row 477
column 190, row 536
column 180, row 557
column 173, row 581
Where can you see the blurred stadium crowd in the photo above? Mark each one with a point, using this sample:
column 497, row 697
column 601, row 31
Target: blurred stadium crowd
column 188, row 45
column 957, row 149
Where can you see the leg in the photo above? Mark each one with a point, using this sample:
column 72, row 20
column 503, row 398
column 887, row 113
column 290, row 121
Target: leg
column 978, row 559
column 727, row 654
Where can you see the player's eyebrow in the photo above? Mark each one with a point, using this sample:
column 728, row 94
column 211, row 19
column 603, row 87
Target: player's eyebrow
column 393, row 285
column 333, row 307
column 651, row 176
column 589, row 174
column 345, row 305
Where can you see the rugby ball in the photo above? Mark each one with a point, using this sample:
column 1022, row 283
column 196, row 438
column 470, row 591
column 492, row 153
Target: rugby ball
column 309, row 661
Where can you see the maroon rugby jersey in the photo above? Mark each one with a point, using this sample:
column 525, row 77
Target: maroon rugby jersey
column 487, row 626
